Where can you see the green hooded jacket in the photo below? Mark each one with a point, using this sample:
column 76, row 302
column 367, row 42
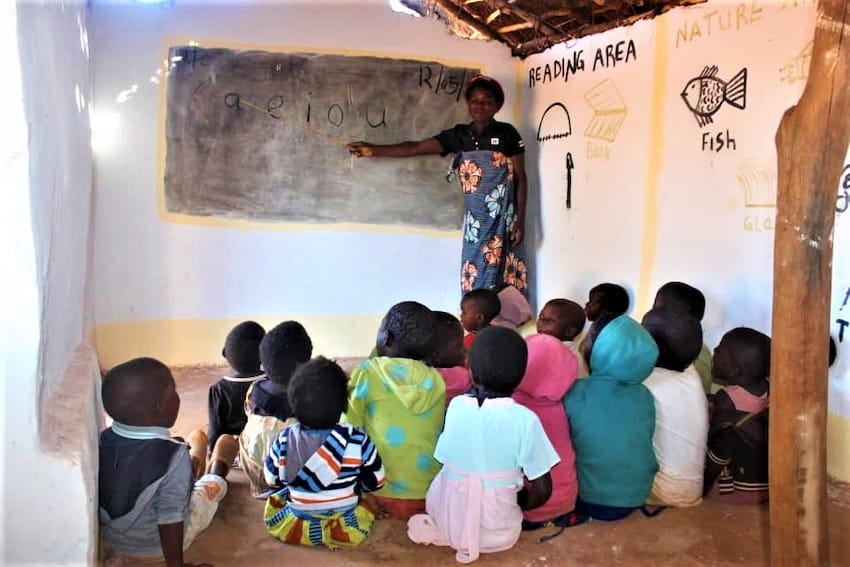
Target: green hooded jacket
column 401, row 404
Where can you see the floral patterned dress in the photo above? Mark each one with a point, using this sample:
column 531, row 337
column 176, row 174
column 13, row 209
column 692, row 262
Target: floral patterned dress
column 483, row 164
column 488, row 260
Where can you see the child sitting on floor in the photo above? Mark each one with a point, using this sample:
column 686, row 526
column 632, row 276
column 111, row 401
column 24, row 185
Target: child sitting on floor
column 475, row 504
column 449, row 356
column 477, row 310
column 681, row 408
column 737, row 464
column 321, row 466
column 282, row 350
column 400, row 402
column 226, row 400
column 564, row 320
column 550, row 373
column 678, row 295
column 612, row 420
column 604, row 298
column 151, row 503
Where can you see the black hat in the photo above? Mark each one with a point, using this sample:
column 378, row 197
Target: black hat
column 487, row 83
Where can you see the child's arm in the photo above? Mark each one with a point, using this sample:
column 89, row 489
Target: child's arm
column 536, row 460
column 275, row 462
column 171, row 539
column 716, row 458
column 372, row 469
column 355, row 414
column 536, row 493
column 217, row 410
column 171, row 503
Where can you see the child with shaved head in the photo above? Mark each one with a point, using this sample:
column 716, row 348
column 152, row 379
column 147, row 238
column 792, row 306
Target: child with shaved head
column 151, row 502
column 737, row 464
column 564, row 320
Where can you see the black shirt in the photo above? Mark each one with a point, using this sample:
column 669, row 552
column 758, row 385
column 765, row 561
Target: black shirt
column 497, row 137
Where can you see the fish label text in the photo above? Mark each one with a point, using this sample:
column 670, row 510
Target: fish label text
column 717, row 142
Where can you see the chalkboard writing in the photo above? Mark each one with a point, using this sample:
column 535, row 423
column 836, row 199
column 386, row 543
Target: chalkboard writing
column 260, row 135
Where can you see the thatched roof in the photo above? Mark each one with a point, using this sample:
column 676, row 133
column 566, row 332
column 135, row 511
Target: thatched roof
column 531, row 26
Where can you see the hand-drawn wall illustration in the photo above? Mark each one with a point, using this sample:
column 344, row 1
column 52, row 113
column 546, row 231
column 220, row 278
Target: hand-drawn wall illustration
column 705, row 93
column 555, row 123
column 843, row 201
column 609, row 111
column 759, row 183
column 570, row 166
column 758, row 180
column 797, row 69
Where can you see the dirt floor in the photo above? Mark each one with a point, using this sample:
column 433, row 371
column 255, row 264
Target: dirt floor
column 709, row 534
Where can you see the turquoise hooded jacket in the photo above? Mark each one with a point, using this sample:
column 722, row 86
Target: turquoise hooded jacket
column 612, row 418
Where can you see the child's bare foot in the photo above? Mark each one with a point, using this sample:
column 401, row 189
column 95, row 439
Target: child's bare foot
column 378, row 509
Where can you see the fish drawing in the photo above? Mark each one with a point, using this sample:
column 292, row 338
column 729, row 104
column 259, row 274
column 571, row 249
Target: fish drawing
column 705, row 94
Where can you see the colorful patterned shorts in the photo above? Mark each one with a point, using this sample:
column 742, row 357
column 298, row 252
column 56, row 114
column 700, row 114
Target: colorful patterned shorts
column 332, row 530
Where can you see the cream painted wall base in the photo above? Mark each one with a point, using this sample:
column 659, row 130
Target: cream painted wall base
column 199, row 341
column 838, row 447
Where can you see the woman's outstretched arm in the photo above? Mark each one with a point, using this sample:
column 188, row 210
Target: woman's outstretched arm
column 402, row 149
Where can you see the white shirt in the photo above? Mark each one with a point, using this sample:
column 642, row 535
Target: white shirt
column 681, row 434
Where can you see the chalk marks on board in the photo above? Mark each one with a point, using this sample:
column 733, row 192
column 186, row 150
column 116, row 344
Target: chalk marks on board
column 609, row 111
column 706, row 93
column 797, row 68
column 842, row 202
column 258, row 135
column 555, row 123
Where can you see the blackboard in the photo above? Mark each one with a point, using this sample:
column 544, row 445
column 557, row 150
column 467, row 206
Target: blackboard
column 260, row 135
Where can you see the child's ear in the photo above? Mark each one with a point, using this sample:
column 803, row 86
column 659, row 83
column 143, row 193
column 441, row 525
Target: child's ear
column 223, row 349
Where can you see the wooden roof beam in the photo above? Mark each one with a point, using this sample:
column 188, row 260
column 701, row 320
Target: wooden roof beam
column 537, row 23
column 456, row 10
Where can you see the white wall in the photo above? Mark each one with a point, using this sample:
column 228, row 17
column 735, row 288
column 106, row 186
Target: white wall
column 49, row 375
column 148, row 269
column 654, row 205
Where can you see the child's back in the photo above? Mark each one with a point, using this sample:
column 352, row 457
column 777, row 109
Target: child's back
column 612, row 417
column 149, row 502
column 681, row 408
column 399, row 401
column 489, row 443
column 226, row 400
column 551, row 372
column 679, row 295
column 737, row 464
column 267, row 406
column 319, row 466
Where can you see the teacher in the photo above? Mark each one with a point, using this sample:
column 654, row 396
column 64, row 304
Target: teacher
column 490, row 164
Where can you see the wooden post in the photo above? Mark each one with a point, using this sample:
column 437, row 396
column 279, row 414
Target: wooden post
column 811, row 144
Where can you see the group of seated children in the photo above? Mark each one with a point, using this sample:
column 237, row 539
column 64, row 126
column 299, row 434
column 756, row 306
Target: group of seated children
column 469, row 445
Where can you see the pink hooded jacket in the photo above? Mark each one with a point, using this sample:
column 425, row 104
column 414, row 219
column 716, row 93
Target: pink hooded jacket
column 458, row 381
column 552, row 370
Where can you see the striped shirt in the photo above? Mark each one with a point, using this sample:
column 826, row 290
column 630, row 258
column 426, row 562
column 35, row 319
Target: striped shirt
column 330, row 478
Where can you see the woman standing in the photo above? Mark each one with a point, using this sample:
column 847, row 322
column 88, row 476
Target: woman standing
column 490, row 163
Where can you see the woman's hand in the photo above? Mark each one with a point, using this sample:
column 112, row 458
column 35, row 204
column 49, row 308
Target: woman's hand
column 361, row 149
column 517, row 234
